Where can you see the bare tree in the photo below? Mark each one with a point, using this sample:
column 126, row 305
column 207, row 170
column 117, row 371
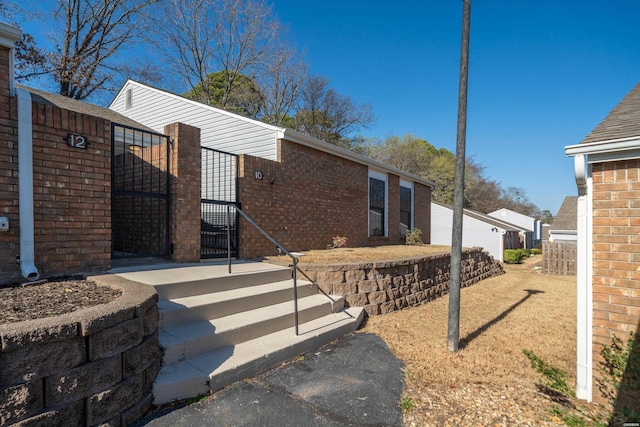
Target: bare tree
column 191, row 35
column 281, row 85
column 243, row 32
column 93, row 32
column 224, row 48
column 328, row 115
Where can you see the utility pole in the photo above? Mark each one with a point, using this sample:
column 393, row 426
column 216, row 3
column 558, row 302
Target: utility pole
column 453, row 333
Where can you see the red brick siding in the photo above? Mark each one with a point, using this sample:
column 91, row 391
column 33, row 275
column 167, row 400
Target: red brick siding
column 422, row 214
column 72, row 193
column 309, row 196
column 616, row 253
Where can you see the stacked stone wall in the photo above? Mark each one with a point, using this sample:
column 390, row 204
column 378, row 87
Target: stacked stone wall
column 92, row 367
column 385, row 286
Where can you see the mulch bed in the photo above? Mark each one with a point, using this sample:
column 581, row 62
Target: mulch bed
column 47, row 299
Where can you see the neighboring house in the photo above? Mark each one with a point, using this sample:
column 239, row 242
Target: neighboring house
column 532, row 225
column 478, row 230
column 301, row 190
column 607, row 172
column 564, row 227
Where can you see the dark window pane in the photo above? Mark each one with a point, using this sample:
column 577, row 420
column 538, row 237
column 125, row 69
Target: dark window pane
column 405, row 210
column 376, row 207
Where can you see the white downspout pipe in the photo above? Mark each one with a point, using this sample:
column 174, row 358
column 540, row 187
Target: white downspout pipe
column 584, row 339
column 25, row 186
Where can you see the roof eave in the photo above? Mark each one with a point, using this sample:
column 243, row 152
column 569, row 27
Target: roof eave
column 613, row 149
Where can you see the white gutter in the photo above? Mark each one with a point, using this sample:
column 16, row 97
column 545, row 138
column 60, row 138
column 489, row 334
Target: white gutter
column 25, row 186
column 603, row 150
column 584, row 274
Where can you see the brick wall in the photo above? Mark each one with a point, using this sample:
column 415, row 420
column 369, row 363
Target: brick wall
column 185, row 191
column 309, row 196
column 422, row 206
column 616, row 253
column 72, row 191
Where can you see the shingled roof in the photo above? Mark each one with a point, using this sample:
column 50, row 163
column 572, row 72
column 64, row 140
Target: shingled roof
column 567, row 217
column 42, row 97
column 622, row 122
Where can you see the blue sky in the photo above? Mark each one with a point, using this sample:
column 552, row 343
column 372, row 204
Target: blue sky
column 542, row 74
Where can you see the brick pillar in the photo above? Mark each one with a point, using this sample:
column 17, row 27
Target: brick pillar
column 422, row 214
column 185, row 191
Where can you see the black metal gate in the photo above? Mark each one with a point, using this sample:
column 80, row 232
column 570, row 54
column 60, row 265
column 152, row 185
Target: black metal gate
column 219, row 198
column 140, row 190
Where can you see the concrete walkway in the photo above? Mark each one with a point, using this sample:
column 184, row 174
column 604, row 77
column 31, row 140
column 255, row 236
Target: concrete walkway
column 356, row 381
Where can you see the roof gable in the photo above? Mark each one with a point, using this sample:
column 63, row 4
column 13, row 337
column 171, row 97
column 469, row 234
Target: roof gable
column 622, row 122
column 567, row 217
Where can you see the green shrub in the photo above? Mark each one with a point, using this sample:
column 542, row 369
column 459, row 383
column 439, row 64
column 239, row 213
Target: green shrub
column 414, row 238
column 536, row 251
column 514, row 256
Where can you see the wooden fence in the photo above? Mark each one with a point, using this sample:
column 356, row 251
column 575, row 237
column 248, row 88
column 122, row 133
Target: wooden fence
column 559, row 258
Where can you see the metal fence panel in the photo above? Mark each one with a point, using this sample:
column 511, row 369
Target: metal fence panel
column 219, row 189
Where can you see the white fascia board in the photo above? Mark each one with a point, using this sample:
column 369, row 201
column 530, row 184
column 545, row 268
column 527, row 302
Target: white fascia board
column 610, row 150
column 9, row 35
column 309, row 141
column 568, row 232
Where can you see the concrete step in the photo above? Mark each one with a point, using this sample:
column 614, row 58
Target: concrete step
column 192, row 339
column 212, row 371
column 180, row 311
column 192, row 281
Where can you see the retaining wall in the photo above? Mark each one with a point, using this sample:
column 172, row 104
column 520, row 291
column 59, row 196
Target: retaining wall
column 385, row 286
column 95, row 366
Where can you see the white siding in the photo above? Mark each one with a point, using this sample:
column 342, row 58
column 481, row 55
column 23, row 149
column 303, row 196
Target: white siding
column 475, row 233
column 220, row 130
column 515, row 218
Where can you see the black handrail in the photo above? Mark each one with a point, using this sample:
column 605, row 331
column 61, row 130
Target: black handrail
column 278, row 245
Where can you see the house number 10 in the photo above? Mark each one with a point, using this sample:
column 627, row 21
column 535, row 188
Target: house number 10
column 76, row 141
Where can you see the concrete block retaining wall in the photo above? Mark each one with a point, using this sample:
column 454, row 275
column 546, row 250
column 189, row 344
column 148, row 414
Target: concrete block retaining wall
column 95, row 366
column 382, row 287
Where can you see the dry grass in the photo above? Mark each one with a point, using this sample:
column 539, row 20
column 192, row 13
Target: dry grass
column 499, row 317
column 376, row 253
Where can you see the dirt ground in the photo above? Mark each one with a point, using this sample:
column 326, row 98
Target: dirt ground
column 47, row 299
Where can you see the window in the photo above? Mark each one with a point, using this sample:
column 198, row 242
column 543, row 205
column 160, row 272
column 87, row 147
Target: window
column 406, row 210
column 377, row 204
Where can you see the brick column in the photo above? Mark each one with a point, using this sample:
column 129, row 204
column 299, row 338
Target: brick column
column 185, row 191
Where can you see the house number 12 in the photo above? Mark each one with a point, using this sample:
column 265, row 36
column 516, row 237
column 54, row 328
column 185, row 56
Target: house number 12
column 76, row 141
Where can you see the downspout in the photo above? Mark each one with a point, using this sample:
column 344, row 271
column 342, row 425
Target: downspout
column 584, row 299
column 25, row 186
